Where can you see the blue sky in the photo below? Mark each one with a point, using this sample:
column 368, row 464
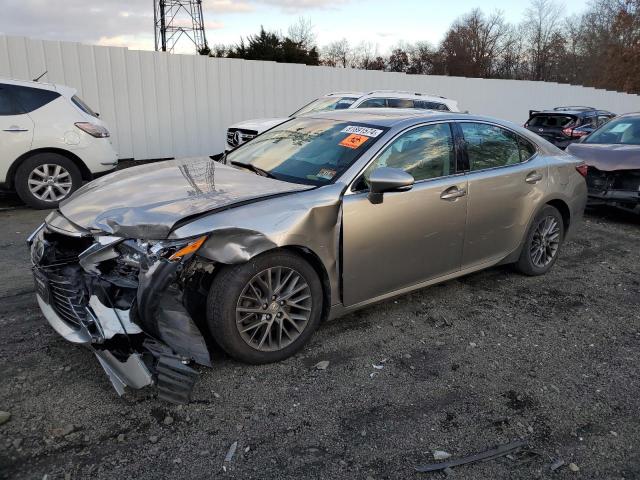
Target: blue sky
column 130, row 22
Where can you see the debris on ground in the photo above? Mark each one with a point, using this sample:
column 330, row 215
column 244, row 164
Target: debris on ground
column 441, row 455
column 573, row 467
column 378, row 367
column 490, row 454
column 556, row 464
column 231, row 452
column 4, row 417
column 321, row 365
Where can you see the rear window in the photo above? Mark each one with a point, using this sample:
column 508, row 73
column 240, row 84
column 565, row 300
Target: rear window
column 30, row 99
column 83, row 106
column 551, row 121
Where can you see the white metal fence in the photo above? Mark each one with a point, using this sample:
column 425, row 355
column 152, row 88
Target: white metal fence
column 160, row 105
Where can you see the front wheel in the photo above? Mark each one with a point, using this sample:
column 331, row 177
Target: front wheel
column 541, row 247
column 266, row 309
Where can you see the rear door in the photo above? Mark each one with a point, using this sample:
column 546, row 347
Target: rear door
column 506, row 181
column 16, row 130
column 412, row 236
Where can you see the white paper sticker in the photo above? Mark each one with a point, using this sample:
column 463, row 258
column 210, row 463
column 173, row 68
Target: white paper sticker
column 366, row 131
column 621, row 127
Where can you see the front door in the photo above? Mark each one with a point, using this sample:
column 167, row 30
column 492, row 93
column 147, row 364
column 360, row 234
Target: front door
column 16, row 130
column 411, row 236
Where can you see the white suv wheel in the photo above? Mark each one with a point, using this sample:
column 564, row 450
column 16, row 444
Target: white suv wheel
column 50, row 182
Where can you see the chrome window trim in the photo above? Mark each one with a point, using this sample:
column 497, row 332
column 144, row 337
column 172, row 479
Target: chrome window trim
column 351, row 184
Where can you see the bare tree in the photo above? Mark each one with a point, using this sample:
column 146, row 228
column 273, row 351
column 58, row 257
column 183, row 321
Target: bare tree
column 338, row 54
column 473, row 43
column 542, row 30
column 302, row 32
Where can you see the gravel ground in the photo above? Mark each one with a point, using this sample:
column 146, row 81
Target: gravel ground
column 467, row 365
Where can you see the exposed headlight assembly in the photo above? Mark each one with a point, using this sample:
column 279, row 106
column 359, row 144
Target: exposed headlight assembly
column 177, row 249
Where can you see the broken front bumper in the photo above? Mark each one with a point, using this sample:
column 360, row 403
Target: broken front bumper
column 129, row 314
column 619, row 188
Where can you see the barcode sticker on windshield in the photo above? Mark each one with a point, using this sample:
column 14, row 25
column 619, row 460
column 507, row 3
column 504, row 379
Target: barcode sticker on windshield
column 326, row 173
column 366, row 131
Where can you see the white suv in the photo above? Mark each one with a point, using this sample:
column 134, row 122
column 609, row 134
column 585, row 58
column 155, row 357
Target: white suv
column 51, row 141
column 242, row 132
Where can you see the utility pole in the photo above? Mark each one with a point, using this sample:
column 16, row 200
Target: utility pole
column 174, row 19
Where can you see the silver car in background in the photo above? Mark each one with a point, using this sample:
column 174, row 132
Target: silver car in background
column 315, row 218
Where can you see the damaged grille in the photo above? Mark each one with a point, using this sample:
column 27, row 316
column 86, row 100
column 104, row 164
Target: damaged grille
column 67, row 297
column 58, row 277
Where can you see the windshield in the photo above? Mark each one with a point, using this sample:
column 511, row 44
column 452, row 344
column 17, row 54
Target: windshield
column 551, row 121
column 326, row 103
column 307, row 150
column 624, row 131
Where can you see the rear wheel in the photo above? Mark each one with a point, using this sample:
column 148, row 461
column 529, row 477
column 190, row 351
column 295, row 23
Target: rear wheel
column 45, row 179
column 265, row 310
column 543, row 242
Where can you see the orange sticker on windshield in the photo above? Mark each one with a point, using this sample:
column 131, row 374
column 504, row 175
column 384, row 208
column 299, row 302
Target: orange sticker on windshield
column 354, row 141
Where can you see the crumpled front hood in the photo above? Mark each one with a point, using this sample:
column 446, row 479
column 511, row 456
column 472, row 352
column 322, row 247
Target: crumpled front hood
column 146, row 201
column 607, row 157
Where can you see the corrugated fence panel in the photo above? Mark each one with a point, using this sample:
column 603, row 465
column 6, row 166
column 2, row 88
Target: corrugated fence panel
column 160, row 105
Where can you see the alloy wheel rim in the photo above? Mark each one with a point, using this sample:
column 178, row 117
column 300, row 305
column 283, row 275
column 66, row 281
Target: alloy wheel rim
column 273, row 309
column 49, row 182
column 545, row 243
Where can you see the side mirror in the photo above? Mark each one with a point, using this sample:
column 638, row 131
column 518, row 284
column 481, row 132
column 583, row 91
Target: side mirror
column 386, row 179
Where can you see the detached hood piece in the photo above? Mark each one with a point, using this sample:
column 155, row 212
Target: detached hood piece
column 146, row 201
column 607, row 157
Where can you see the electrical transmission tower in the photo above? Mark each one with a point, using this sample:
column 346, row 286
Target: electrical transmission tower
column 174, row 19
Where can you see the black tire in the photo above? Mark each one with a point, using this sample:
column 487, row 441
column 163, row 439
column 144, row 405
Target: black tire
column 21, row 179
column 224, row 297
column 527, row 262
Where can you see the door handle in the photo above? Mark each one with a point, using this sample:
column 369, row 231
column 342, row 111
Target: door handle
column 533, row 177
column 15, row 128
column 452, row 193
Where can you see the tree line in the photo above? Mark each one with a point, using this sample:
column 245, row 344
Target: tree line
column 598, row 48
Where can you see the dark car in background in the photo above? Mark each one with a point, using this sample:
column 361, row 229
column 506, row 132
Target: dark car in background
column 565, row 125
column 612, row 155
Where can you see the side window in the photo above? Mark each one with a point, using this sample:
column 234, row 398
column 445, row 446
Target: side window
column 427, row 105
column 527, row 149
column 30, row 99
column 373, row 103
column 7, row 106
column 588, row 122
column 424, row 152
column 400, row 103
column 490, row 146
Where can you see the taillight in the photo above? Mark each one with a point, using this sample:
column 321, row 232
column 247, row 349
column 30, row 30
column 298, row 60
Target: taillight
column 582, row 169
column 571, row 132
column 92, row 129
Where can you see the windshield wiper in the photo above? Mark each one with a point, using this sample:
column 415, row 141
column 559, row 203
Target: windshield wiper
column 254, row 169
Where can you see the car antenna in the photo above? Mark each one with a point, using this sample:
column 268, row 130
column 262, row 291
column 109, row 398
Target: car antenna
column 38, row 78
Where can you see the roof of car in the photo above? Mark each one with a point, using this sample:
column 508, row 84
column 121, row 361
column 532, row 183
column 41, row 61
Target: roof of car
column 388, row 117
column 568, row 111
column 391, row 94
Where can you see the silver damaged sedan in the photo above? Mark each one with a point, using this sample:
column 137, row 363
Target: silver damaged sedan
column 151, row 266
